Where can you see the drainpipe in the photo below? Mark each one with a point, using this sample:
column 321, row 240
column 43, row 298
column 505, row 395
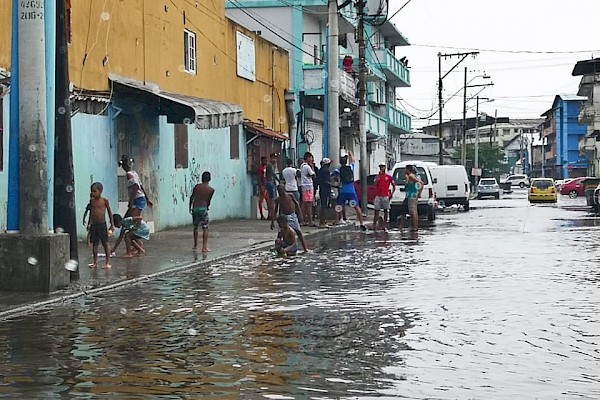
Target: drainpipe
column 290, row 98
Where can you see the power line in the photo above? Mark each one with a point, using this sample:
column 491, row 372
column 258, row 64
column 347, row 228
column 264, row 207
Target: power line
column 507, row 51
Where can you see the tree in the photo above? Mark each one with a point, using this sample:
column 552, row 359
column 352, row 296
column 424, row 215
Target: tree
column 491, row 160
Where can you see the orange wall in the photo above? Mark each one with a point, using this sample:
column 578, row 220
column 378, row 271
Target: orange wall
column 143, row 40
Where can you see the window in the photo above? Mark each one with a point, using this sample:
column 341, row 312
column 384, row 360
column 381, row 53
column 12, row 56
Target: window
column 189, row 51
column 234, row 142
column 181, row 146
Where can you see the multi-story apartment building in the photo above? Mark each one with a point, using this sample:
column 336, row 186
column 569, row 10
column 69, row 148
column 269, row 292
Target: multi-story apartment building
column 563, row 131
column 175, row 85
column 589, row 87
column 301, row 28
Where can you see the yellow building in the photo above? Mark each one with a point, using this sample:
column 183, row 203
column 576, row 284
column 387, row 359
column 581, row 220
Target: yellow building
column 167, row 82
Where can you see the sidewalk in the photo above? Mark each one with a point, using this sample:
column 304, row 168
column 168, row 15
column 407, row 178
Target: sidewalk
column 166, row 252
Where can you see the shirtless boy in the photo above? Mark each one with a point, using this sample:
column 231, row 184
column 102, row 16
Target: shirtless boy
column 98, row 233
column 286, row 238
column 199, row 204
column 287, row 205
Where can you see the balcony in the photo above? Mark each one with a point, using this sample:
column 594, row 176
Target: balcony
column 376, row 125
column 314, row 82
column 399, row 121
column 587, row 115
column 396, row 73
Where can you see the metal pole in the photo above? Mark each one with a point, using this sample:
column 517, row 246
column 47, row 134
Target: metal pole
column 32, row 119
column 521, row 152
column 543, row 151
column 476, row 162
column 440, row 107
column 362, row 104
column 14, row 180
column 64, row 177
column 334, row 86
column 463, row 150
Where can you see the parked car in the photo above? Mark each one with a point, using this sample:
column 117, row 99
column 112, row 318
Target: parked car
column 488, row 187
column 518, row 180
column 371, row 189
column 451, row 185
column 559, row 183
column 426, row 204
column 574, row 188
column 542, row 190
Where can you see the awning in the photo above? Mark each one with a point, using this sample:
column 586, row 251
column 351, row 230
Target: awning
column 262, row 131
column 207, row 114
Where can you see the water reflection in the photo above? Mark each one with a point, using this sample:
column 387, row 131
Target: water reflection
column 485, row 304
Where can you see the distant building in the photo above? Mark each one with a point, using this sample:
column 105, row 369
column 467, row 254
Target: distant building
column 562, row 130
column 420, row 146
column 589, row 87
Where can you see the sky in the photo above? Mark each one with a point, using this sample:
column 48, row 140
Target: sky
column 524, row 83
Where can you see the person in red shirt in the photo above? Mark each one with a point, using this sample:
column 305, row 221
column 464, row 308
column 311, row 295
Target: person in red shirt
column 383, row 181
column 262, row 186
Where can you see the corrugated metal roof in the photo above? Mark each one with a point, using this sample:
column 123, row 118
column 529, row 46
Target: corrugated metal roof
column 210, row 114
column 263, row 131
column 572, row 97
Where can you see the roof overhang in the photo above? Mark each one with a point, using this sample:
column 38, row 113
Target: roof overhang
column 587, row 67
column 392, row 35
column 263, row 131
column 206, row 114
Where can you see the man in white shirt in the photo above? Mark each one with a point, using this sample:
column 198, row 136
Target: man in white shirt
column 308, row 190
column 289, row 175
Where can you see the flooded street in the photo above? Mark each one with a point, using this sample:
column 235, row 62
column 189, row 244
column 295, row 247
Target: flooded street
column 497, row 302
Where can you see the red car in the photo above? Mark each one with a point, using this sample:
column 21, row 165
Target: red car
column 574, row 188
column 371, row 189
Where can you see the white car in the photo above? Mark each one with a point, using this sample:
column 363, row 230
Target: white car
column 426, row 204
column 518, row 180
column 451, row 185
column 488, row 187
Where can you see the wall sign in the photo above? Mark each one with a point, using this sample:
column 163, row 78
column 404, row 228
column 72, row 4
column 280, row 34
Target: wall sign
column 246, row 63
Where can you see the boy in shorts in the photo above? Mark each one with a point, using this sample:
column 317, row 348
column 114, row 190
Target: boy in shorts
column 199, row 204
column 98, row 232
column 135, row 229
column 285, row 244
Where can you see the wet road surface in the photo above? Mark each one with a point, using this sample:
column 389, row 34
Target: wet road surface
column 498, row 302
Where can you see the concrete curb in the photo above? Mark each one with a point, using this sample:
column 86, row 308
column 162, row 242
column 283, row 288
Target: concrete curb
column 39, row 305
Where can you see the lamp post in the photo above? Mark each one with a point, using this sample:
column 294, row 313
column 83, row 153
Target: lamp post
column 466, row 85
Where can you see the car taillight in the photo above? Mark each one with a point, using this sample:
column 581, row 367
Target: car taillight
column 430, row 192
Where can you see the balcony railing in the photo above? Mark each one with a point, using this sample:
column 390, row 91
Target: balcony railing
column 314, row 82
column 376, row 125
column 397, row 73
column 398, row 120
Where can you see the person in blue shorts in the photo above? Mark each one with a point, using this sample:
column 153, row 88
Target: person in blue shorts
column 347, row 193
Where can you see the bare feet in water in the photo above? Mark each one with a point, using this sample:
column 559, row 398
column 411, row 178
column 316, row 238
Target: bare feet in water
column 93, row 265
column 205, row 250
column 107, row 266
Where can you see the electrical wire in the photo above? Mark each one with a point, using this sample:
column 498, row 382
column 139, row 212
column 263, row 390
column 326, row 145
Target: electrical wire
column 506, row 51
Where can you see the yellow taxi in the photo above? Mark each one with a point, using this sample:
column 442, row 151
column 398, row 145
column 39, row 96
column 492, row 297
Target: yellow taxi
column 542, row 190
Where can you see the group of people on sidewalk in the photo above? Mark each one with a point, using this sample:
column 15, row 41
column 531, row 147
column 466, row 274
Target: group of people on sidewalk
column 290, row 198
column 132, row 225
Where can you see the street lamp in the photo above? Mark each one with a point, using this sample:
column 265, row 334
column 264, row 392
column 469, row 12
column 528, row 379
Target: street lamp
column 466, row 85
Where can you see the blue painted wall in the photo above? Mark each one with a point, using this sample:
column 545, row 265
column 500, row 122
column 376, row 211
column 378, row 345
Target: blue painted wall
column 209, row 150
column 94, row 160
column 4, row 173
column 569, row 130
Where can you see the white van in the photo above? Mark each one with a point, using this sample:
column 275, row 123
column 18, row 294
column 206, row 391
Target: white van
column 426, row 204
column 451, row 185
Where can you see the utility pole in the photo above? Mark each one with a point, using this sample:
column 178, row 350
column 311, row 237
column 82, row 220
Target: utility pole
column 543, row 150
column 493, row 133
column 362, row 103
column 64, row 177
column 463, row 147
column 521, row 151
column 32, row 120
column 441, row 77
column 476, row 162
column 333, row 74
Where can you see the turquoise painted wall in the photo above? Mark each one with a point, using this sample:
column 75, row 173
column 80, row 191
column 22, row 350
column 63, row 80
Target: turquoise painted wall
column 4, row 172
column 94, row 160
column 209, row 150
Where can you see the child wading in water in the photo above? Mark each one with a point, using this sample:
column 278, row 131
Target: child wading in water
column 135, row 229
column 199, row 204
column 285, row 244
column 98, row 232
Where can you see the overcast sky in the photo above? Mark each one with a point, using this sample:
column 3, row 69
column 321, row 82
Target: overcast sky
column 524, row 84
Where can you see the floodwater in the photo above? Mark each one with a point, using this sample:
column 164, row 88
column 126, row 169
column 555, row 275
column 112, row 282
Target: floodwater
column 497, row 302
